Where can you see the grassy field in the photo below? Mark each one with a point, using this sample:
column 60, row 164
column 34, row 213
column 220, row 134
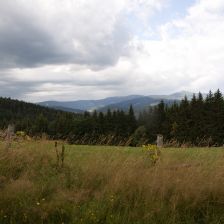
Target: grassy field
column 110, row 185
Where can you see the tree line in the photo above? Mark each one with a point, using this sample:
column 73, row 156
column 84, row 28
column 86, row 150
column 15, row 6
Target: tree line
column 198, row 121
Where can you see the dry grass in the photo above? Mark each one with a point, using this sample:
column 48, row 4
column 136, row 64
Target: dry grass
column 110, row 185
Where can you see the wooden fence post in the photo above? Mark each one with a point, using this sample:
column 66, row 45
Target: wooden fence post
column 159, row 141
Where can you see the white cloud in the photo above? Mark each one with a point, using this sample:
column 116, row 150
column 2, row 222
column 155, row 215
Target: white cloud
column 190, row 51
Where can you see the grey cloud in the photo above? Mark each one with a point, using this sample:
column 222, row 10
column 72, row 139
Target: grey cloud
column 15, row 90
column 108, row 50
column 26, row 46
column 11, row 87
column 25, row 42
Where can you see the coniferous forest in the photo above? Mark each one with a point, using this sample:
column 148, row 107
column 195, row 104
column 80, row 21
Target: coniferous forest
column 198, row 121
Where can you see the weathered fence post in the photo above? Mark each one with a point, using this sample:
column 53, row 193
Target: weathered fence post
column 159, row 141
column 9, row 134
column 60, row 155
column 57, row 153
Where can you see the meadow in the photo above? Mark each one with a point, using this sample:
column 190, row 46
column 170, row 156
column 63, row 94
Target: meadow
column 110, row 185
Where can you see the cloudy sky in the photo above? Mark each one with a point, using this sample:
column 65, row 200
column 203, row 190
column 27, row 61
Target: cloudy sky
column 91, row 49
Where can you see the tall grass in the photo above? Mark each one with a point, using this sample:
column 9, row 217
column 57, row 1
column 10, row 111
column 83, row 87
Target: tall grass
column 110, row 185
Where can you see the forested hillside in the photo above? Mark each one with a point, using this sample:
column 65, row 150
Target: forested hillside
column 34, row 119
column 196, row 122
column 95, row 128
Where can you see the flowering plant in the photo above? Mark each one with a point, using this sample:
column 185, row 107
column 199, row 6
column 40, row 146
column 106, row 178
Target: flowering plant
column 153, row 152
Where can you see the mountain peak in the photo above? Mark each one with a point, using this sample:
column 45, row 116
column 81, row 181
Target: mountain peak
column 180, row 95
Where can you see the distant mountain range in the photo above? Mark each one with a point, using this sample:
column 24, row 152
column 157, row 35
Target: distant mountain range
column 138, row 102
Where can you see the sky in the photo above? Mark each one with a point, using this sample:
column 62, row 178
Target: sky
column 92, row 49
